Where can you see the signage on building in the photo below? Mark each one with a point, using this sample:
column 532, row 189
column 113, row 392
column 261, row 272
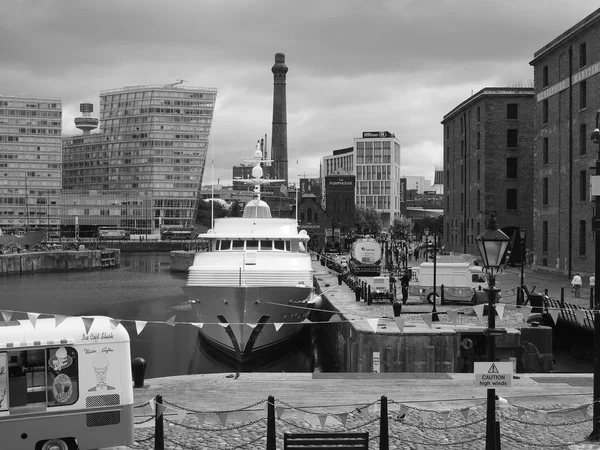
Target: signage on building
column 310, row 186
column 339, row 183
column 564, row 84
column 377, row 134
column 429, row 192
column 492, row 375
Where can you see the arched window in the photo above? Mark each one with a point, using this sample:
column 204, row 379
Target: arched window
column 309, row 215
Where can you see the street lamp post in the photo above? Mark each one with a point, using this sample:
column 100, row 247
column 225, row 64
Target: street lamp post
column 492, row 245
column 434, row 316
column 522, row 233
column 595, row 435
column 426, row 232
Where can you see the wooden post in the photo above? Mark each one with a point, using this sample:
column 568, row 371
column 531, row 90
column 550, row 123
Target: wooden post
column 442, row 302
column 384, row 439
column 159, row 433
column 592, row 298
column 271, row 436
column 562, row 298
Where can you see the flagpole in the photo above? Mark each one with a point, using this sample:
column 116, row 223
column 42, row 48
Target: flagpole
column 212, row 187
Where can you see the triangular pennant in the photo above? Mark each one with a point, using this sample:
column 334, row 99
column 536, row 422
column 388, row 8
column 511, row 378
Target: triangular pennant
column 160, row 409
column 554, row 314
column 224, row 325
column 453, row 314
column 306, row 321
column 58, row 320
column 583, row 410
column 279, row 410
column 400, row 322
column 428, row 319
column 33, row 318
column 541, row 416
column 244, row 416
column 87, row 323
column 6, row 315
column 364, row 411
column 140, row 325
column 478, row 310
column 373, row 324
column 201, row 417
column 500, row 310
column 343, row 417
column 580, row 315
column 335, row 318
column 223, row 417
column 114, row 323
column 278, row 326
column 152, row 403
column 520, row 411
column 322, row 419
column 526, row 310
column 403, row 410
column 465, row 413
column 197, row 324
column 171, row 321
column 445, row 415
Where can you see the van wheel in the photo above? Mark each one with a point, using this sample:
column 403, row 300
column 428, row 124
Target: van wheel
column 59, row 444
column 430, row 297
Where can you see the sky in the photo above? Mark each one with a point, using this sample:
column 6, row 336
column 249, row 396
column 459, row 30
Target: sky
column 354, row 65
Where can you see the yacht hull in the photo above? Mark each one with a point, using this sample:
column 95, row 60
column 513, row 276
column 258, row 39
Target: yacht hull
column 248, row 321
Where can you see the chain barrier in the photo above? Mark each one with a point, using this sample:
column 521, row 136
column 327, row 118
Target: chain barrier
column 544, row 445
column 146, row 439
column 537, row 424
column 142, row 405
column 306, row 411
column 450, row 427
column 231, row 428
column 144, row 421
column 444, row 444
column 183, row 408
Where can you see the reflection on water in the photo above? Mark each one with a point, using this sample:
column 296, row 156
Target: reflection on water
column 143, row 288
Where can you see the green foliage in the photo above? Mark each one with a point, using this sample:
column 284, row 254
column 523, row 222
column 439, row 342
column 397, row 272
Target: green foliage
column 368, row 221
column 204, row 212
column 433, row 224
column 402, row 228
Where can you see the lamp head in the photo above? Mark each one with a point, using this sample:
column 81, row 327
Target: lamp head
column 522, row 233
column 596, row 136
column 492, row 244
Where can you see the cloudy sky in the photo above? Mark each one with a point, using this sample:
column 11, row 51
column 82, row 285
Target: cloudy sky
column 354, row 65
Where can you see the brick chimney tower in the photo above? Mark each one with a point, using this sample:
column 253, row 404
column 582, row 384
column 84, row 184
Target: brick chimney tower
column 279, row 147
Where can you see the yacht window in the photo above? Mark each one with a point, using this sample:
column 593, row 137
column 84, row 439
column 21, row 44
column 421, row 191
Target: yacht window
column 301, row 247
column 238, row 245
column 225, row 245
column 279, row 245
column 288, row 246
column 251, row 245
column 266, row 245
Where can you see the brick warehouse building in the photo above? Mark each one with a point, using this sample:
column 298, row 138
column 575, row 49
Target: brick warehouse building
column 567, row 83
column 488, row 164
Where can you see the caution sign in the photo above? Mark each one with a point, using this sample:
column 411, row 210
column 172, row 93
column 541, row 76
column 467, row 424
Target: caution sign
column 492, row 375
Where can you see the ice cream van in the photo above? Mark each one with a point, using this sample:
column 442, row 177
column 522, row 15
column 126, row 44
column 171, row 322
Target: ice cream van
column 65, row 385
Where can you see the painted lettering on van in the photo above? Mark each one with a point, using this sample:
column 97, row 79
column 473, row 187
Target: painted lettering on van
column 96, row 336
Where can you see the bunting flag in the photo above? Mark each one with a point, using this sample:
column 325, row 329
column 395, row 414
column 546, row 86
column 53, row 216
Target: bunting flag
column 584, row 411
column 140, row 325
column 197, row 324
column 465, row 413
column 453, row 314
column 224, row 325
column 580, row 315
column 541, row 416
column 244, row 416
column 500, row 310
column 520, row 411
column 364, row 411
column 343, row 417
column 335, row 318
column 554, row 314
column 279, row 410
column 403, row 410
column 160, row 409
column 223, row 417
column 278, row 326
column 252, row 325
column 373, row 324
column 87, row 323
column 322, row 419
column 400, row 322
column 114, row 323
column 171, row 321
column 6, row 315
column 306, row 321
column 201, row 417
column 526, row 310
column 428, row 319
column 479, row 310
column 152, row 403
column 445, row 415
column 33, row 318
column 58, row 320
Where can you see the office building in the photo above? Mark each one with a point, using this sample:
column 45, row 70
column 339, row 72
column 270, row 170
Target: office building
column 151, row 147
column 567, row 101
column 30, row 162
column 488, row 162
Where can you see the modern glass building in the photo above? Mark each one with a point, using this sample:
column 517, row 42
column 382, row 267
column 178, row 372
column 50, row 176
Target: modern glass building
column 151, row 148
column 30, row 162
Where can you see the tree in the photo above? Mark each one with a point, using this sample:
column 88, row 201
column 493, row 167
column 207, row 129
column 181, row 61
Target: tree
column 433, row 224
column 205, row 211
column 401, row 228
column 368, row 221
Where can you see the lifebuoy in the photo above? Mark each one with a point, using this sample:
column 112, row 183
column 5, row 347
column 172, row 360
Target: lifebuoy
column 467, row 344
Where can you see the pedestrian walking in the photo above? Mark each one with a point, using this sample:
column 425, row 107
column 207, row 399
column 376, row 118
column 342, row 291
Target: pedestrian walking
column 404, row 280
column 592, row 281
column 576, row 283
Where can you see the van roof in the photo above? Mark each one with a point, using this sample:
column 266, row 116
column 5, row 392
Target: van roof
column 72, row 330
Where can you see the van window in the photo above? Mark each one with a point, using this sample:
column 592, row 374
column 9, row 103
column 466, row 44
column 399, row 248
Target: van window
column 63, row 376
column 478, row 278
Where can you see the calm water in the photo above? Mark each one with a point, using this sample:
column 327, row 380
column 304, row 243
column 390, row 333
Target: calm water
column 143, row 288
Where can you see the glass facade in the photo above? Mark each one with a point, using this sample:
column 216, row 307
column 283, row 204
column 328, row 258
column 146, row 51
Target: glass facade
column 30, row 162
column 153, row 139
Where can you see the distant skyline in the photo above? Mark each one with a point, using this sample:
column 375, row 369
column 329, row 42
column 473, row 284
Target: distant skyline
column 354, row 65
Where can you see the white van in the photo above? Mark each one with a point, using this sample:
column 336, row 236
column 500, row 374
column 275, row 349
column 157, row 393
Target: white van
column 65, row 386
column 460, row 280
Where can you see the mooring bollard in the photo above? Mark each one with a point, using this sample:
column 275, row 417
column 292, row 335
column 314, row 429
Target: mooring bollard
column 138, row 369
column 357, row 291
column 159, row 433
column 397, row 307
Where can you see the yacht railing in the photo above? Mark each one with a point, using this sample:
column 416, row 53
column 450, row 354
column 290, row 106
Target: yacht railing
column 249, row 278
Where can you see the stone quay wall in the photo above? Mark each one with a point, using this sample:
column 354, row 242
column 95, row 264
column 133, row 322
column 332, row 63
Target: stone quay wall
column 181, row 260
column 58, row 261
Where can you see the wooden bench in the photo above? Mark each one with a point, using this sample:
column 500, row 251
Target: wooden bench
column 326, row 441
